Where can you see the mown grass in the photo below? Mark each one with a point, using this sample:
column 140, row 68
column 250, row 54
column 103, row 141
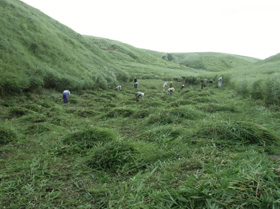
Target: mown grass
column 207, row 148
column 199, row 148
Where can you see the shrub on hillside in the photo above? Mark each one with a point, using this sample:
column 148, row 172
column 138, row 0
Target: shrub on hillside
column 191, row 80
column 218, row 108
column 18, row 111
column 122, row 76
column 117, row 112
column 101, row 82
column 272, row 91
column 12, row 83
column 245, row 132
column 113, row 156
column 88, row 138
column 176, row 115
column 51, row 80
column 7, row 135
column 141, row 113
column 186, row 113
column 163, row 133
column 34, row 84
column 37, row 128
column 257, row 90
column 242, row 87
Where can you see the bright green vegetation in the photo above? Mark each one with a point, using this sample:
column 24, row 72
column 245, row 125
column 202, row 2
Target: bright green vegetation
column 38, row 52
column 198, row 148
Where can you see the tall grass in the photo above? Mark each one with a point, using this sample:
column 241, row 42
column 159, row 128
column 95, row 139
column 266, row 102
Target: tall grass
column 105, row 150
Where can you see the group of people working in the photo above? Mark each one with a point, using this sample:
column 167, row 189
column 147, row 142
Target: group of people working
column 139, row 94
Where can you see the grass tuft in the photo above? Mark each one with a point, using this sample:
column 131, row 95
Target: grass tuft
column 242, row 131
column 113, row 156
column 88, row 138
column 7, row 135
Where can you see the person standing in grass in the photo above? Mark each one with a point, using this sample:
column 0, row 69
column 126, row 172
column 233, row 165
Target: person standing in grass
column 171, row 84
column 182, row 87
column 65, row 96
column 220, row 80
column 135, row 83
column 164, row 86
column 201, row 84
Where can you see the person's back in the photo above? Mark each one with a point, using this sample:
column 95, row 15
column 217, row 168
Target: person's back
column 164, row 86
column 118, row 87
column 170, row 90
column 139, row 95
column 65, row 96
column 136, row 85
column 220, row 80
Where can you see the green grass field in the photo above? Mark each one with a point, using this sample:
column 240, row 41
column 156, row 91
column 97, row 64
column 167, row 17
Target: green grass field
column 206, row 148
column 198, row 148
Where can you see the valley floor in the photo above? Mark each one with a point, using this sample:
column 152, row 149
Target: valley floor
column 198, row 148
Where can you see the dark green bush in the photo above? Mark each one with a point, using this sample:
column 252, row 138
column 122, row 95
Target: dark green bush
column 167, row 132
column 18, row 111
column 35, row 83
column 7, row 135
column 257, row 91
column 113, row 156
column 218, row 108
column 192, row 80
column 186, row 113
column 34, row 118
column 272, row 92
column 88, row 138
column 245, row 132
column 175, row 115
column 141, row 113
column 87, row 112
column 123, row 112
column 37, row 128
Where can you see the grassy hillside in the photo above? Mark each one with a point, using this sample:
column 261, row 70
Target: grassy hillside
column 198, row 148
column 260, row 81
column 138, row 62
column 209, row 61
column 39, row 52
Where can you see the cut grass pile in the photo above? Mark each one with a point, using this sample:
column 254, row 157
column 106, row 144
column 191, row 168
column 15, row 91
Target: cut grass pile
column 198, row 148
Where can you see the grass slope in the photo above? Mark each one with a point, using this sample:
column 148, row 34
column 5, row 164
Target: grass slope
column 209, row 61
column 39, row 52
column 260, row 81
column 198, row 148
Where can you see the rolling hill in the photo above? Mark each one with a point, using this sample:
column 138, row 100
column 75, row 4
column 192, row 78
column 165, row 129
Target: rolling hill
column 208, row 61
column 38, row 52
column 197, row 148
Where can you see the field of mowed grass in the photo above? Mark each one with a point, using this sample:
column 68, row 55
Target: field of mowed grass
column 198, row 148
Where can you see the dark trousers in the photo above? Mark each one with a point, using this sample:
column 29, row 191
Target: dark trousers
column 65, row 98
